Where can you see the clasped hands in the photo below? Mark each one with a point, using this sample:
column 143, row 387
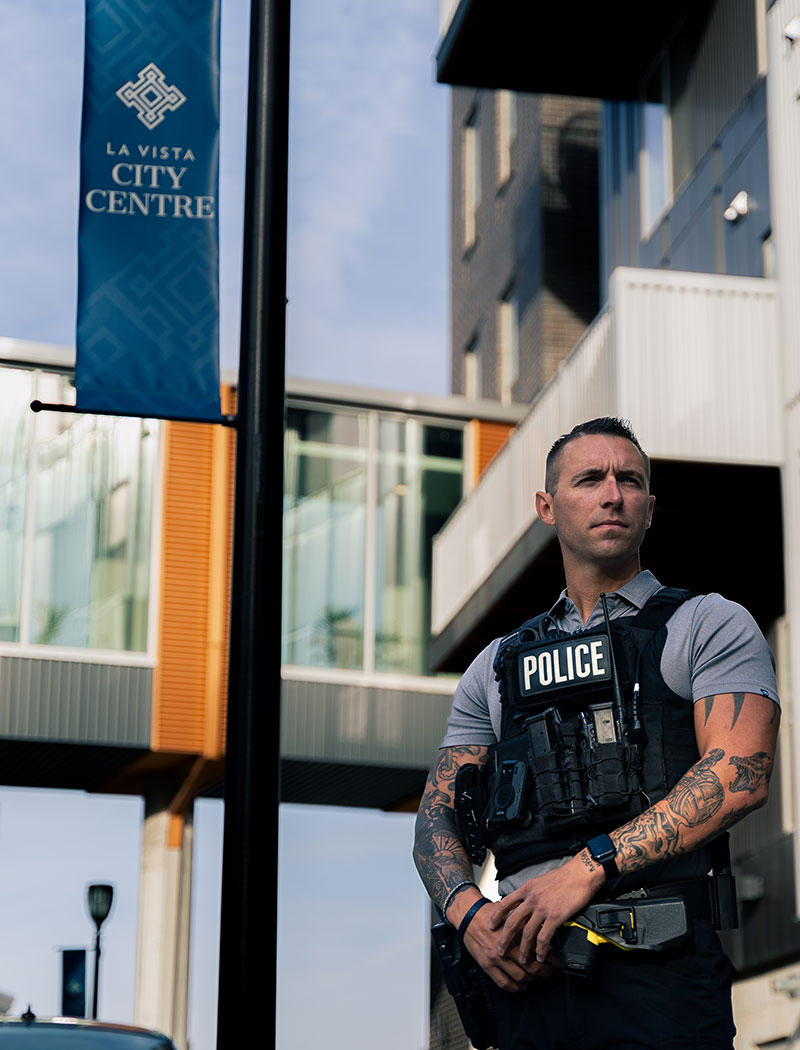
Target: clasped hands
column 512, row 939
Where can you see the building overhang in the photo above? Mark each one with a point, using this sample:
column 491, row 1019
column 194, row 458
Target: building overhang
column 597, row 51
column 354, row 739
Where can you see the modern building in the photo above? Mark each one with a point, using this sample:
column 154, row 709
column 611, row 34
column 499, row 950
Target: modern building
column 371, row 477
column 114, row 592
column 524, row 258
column 695, row 340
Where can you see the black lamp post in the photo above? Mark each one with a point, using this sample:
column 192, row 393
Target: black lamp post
column 100, row 897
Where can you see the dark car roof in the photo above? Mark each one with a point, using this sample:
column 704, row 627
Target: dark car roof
column 67, row 1033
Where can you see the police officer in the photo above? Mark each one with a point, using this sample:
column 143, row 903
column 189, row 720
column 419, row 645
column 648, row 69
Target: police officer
column 713, row 671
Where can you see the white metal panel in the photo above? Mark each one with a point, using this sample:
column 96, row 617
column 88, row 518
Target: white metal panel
column 783, row 111
column 698, row 364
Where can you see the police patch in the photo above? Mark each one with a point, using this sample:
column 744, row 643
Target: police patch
column 581, row 660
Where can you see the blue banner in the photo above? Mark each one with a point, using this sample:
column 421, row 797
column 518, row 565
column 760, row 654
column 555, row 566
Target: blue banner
column 73, row 982
column 148, row 244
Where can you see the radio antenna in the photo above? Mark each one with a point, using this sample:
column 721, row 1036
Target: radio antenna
column 619, row 703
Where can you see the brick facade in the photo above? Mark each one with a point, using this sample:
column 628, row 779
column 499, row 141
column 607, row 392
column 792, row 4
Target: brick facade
column 535, row 233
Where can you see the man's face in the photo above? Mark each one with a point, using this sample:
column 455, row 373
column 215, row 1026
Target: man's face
column 601, row 506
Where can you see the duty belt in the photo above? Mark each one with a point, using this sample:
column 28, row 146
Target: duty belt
column 649, row 919
column 695, row 893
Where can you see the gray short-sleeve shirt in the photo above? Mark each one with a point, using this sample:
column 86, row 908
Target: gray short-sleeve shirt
column 713, row 646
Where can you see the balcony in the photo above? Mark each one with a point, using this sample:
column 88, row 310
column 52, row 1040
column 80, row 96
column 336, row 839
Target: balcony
column 693, row 361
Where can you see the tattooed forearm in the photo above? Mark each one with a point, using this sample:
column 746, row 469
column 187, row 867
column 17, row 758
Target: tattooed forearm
column 699, row 798
column 751, row 773
column 652, row 836
column 439, row 855
column 698, row 795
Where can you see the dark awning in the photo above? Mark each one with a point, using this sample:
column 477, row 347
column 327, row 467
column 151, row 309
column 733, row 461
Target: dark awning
column 591, row 50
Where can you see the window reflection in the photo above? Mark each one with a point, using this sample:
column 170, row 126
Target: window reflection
column 16, row 392
column 76, row 520
column 420, row 484
column 94, row 480
column 365, row 495
column 655, row 166
column 324, row 533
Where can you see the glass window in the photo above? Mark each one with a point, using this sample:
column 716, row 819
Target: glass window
column 75, row 522
column 16, row 394
column 420, row 483
column 473, row 378
column 472, row 177
column 768, row 256
column 655, row 161
column 506, row 131
column 92, row 522
column 324, row 536
column 508, row 338
column 681, row 112
column 365, row 495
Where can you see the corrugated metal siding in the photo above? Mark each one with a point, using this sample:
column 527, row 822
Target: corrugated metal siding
column 216, row 738
column 698, row 364
column 365, row 725
column 489, row 439
column 179, row 681
column 315, row 783
column 783, row 85
column 190, row 675
column 767, row 931
column 783, row 89
column 724, row 70
column 58, row 700
column 719, row 139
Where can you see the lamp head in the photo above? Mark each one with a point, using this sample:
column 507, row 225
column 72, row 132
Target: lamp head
column 100, row 897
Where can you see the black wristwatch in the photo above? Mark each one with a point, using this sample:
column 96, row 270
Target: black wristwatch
column 603, row 850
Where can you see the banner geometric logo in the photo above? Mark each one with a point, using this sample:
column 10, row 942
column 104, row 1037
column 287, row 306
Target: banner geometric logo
column 151, row 96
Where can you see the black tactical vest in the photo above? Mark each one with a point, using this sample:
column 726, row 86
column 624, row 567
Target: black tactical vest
column 591, row 735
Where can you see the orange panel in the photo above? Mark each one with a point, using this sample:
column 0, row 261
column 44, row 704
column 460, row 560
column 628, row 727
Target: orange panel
column 489, row 438
column 189, row 682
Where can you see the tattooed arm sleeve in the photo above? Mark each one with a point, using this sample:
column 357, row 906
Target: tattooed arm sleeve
column 736, row 735
column 439, row 855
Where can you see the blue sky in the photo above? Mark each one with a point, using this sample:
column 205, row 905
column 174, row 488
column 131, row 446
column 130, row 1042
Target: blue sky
column 367, row 285
column 368, row 214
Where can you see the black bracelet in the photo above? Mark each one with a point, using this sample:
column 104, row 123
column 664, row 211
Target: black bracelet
column 462, row 929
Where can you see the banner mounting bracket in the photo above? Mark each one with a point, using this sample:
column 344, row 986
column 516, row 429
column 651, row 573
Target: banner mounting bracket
column 223, row 420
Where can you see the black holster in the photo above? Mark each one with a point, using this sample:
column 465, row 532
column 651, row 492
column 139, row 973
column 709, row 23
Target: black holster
column 469, row 986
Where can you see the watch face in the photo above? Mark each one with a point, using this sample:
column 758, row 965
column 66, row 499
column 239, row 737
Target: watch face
column 601, row 848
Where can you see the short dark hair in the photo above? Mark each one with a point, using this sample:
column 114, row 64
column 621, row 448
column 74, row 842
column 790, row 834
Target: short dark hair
column 609, row 425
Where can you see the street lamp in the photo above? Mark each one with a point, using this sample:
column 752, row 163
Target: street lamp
column 100, row 897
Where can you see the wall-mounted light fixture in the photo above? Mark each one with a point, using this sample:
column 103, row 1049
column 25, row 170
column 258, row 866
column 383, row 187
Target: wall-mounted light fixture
column 792, row 31
column 739, row 206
